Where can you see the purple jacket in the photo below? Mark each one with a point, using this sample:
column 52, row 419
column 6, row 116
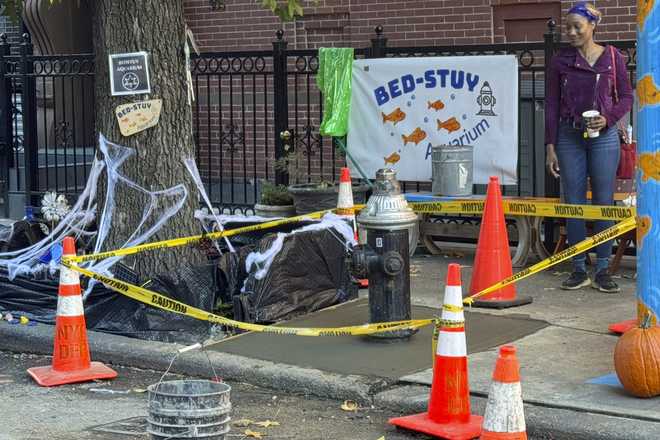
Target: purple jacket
column 572, row 86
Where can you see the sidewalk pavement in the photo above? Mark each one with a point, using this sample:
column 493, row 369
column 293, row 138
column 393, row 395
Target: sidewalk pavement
column 557, row 362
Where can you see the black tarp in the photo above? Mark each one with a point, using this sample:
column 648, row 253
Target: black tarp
column 308, row 274
column 112, row 312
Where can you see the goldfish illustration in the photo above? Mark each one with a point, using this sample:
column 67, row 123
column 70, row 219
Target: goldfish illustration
column 649, row 163
column 450, row 125
column 644, row 8
column 417, row 136
column 436, row 105
column 647, row 91
column 396, row 116
column 643, row 228
column 392, row 158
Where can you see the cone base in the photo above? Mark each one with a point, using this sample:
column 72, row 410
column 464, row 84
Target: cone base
column 451, row 431
column 503, row 304
column 621, row 327
column 488, row 435
column 47, row 377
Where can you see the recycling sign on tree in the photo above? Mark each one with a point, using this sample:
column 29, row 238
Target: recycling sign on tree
column 129, row 73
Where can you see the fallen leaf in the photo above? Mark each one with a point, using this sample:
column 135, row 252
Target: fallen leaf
column 139, row 390
column 243, row 423
column 382, row 438
column 267, row 424
column 349, row 405
column 253, row 434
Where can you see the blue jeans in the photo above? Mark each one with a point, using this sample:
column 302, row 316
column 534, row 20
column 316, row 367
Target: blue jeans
column 597, row 158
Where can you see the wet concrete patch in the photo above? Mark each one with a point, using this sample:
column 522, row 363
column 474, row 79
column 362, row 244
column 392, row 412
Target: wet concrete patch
column 364, row 356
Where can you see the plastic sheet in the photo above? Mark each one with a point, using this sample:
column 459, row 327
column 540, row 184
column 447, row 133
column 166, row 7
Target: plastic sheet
column 28, row 286
column 334, row 81
column 111, row 312
column 271, row 281
column 191, row 166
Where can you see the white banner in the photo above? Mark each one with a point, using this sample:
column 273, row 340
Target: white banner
column 402, row 106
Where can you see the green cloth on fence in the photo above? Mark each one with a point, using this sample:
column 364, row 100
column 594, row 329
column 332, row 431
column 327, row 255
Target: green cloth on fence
column 334, row 81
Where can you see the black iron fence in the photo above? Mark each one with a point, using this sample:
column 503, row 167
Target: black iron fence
column 246, row 101
column 47, row 139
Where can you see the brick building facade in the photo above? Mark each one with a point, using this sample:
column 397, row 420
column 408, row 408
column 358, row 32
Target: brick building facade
column 243, row 24
column 234, row 137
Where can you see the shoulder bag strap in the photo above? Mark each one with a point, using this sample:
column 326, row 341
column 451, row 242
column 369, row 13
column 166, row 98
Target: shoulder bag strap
column 616, row 91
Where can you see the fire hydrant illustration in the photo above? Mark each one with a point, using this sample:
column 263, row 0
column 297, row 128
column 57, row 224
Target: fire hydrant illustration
column 385, row 259
column 486, row 101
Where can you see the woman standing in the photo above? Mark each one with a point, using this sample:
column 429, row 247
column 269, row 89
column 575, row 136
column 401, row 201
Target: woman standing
column 586, row 76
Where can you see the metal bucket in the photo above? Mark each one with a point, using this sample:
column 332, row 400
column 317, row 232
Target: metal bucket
column 452, row 170
column 184, row 409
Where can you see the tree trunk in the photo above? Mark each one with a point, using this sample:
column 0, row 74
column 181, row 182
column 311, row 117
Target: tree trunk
column 157, row 27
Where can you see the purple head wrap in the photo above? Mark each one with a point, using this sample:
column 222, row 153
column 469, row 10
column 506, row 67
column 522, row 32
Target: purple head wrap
column 581, row 9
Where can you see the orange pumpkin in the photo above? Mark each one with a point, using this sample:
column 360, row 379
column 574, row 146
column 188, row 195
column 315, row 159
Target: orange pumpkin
column 637, row 359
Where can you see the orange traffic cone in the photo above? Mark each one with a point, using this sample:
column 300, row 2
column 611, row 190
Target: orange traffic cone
column 345, row 198
column 505, row 417
column 448, row 414
column 363, row 283
column 70, row 352
column 346, row 208
column 492, row 263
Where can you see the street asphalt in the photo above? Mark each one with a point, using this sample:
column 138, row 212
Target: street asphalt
column 566, row 367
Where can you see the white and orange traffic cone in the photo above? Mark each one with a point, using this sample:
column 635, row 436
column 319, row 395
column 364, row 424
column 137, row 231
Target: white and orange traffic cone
column 345, row 208
column 71, row 362
column 448, row 414
column 505, row 417
column 345, row 198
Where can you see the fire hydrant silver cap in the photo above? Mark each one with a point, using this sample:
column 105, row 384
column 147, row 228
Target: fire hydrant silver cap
column 387, row 207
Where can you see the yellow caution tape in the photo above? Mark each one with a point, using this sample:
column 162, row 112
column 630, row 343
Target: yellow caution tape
column 447, row 323
column 528, row 208
column 465, row 207
column 162, row 302
column 452, row 308
column 593, row 241
column 176, row 242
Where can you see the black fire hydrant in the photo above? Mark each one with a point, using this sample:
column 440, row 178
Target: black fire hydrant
column 385, row 259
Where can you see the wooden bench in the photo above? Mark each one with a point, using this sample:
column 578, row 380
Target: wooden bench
column 523, row 229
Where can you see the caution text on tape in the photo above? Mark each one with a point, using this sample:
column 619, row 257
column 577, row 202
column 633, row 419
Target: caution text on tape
column 527, row 208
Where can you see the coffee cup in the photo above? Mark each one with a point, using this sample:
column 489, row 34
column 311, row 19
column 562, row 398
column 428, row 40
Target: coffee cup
column 588, row 116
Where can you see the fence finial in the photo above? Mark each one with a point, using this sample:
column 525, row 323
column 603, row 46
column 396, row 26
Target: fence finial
column 26, row 38
column 552, row 25
column 379, row 31
column 279, row 34
column 3, row 38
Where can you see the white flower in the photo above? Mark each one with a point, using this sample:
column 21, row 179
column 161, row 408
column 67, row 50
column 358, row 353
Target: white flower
column 54, row 207
column 49, row 206
column 62, row 206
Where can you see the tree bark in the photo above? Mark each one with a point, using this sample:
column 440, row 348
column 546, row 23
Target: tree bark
column 157, row 27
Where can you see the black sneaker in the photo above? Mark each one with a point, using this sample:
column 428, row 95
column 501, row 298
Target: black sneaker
column 577, row 280
column 604, row 282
